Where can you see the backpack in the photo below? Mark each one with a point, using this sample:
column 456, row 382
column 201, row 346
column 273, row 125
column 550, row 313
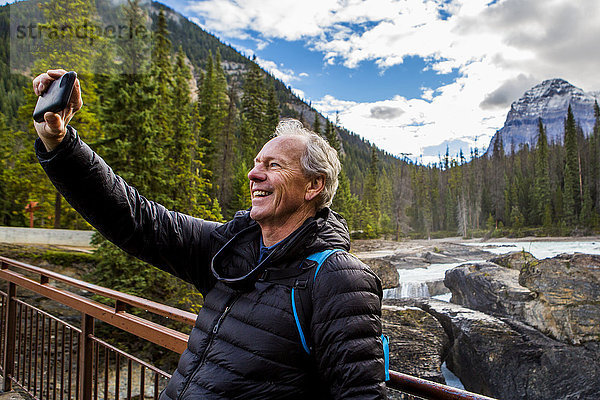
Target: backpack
column 302, row 304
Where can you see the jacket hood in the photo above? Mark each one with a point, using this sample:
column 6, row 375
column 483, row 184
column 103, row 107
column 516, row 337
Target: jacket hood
column 238, row 243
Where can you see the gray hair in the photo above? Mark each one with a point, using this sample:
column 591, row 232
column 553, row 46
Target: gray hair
column 319, row 158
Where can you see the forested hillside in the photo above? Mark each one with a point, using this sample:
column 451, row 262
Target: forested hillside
column 184, row 127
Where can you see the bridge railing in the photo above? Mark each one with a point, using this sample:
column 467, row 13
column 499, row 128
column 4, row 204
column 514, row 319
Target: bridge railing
column 53, row 359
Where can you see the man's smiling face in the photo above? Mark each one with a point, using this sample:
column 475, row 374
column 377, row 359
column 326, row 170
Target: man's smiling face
column 277, row 183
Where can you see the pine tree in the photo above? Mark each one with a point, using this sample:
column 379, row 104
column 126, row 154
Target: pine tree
column 188, row 186
column 386, row 202
column 585, row 218
column 542, row 181
column 213, row 106
column 228, row 153
column 131, row 144
column 571, row 182
column 595, row 159
column 254, row 109
column 164, row 124
column 162, row 71
column 332, row 138
column 497, row 179
column 372, row 195
column 424, row 212
column 317, row 124
column 272, row 113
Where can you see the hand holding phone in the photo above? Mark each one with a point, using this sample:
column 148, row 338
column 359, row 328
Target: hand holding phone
column 60, row 99
column 56, row 97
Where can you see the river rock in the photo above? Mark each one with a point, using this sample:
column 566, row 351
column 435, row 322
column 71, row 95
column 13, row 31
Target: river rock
column 436, row 288
column 439, row 258
column 385, row 270
column 489, row 288
column 417, row 341
column 510, row 360
column 568, row 296
column 514, row 260
column 559, row 296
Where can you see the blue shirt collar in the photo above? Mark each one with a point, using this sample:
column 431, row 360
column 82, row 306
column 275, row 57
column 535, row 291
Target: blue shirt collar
column 264, row 250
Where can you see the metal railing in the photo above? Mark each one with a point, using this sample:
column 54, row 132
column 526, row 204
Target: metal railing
column 52, row 359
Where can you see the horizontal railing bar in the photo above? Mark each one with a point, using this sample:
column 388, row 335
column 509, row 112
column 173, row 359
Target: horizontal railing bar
column 145, row 304
column 48, row 315
column 129, row 356
column 428, row 389
column 143, row 328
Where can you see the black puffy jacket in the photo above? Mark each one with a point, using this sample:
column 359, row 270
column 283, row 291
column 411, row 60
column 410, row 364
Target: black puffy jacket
column 245, row 344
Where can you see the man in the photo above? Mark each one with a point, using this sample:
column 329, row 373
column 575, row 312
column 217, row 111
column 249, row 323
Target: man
column 246, row 343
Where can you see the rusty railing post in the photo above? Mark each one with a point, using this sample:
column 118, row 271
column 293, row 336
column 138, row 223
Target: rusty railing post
column 10, row 336
column 86, row 349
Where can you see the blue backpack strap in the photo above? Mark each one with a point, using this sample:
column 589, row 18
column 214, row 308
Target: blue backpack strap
column 319, row 258
column 386, row 355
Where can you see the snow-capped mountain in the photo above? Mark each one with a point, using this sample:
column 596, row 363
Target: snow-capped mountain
column 550, row 101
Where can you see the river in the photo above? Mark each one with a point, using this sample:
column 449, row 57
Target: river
column 418, row 281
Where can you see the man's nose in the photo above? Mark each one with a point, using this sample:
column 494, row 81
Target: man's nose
column 257, row 174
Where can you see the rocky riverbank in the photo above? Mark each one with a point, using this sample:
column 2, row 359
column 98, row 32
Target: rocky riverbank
column 522, row 328
column 386, row 257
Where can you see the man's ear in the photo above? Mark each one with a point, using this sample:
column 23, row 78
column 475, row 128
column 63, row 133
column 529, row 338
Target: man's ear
column 314, row 187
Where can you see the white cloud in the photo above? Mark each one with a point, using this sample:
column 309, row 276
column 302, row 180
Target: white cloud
column 299, row 93
column 498, row 50
column 285, row 75
column 427, row 93
column 261, row 44
column 421, row 123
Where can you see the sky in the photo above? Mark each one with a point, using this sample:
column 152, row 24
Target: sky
column 412, row 76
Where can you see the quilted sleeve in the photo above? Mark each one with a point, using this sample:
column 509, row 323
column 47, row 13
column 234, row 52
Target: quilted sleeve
column 346, row 329
column 174, row 242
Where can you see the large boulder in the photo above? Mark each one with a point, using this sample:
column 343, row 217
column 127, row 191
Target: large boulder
column 567, row 289
column 489, row 288
column 559, row 296
column 418, row 342
column 514, row 260
column 510, row 360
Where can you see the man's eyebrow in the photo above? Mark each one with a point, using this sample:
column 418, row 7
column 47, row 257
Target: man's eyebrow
column 271, row 158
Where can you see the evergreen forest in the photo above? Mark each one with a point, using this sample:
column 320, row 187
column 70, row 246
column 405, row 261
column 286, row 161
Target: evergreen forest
column 180, row 116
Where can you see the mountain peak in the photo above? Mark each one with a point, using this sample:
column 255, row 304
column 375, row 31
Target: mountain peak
column 550, row 88
column 549, row 101
column 555, row 86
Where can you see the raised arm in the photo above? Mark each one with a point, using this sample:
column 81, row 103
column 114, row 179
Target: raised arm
column 172, row 241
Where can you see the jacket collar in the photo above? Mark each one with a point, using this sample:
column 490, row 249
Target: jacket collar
column 235, row 261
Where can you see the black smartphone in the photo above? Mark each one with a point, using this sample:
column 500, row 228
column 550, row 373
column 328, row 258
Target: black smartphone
column 56, row 97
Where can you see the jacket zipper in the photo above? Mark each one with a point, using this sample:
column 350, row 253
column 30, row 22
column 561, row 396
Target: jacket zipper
column 212, row 334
